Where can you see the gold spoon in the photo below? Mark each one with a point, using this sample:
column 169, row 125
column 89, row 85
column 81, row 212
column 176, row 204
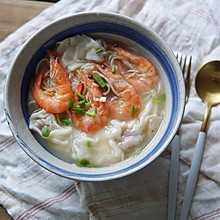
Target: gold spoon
column 208, row 88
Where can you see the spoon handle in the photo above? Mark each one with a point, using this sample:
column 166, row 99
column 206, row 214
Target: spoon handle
column 193, row 175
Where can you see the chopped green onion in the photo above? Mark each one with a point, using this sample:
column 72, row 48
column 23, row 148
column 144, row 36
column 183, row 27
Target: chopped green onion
column 133, row 108
column 78, row 110
column 156, row 101
column 70, row 102
column 89, row 144
column 91, row 114
column 85, row 163
column 154, row 97
column 100, row 81
column 80, row 96
column 82, row 103
column 45, row 132
column 84, row 90
column 82, row 163
column 66, row 121
column 99, row 50
column 113, row 68
column 138, row 152
column 88, row 103
column 78, row 164
column 163, row 96
column 95, row 110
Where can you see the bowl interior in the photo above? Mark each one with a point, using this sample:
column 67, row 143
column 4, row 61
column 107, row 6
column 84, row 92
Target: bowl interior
column 105, row 25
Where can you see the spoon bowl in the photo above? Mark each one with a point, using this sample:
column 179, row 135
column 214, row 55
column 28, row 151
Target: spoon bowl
column 208, row 82
column 208, row 88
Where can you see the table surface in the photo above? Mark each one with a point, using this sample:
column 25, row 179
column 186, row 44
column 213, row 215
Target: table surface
column 13, row 14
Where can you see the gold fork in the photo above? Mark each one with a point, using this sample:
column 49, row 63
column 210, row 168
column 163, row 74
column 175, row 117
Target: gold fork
column 175, row 145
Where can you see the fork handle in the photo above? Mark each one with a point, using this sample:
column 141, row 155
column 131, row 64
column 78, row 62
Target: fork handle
column 173, row 177
column 193, row 175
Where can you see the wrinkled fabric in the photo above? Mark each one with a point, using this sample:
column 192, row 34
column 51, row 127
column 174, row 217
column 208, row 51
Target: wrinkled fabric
column 28, row 191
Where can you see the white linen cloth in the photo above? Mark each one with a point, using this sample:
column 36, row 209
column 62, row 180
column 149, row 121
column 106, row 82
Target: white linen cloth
column 28, row 191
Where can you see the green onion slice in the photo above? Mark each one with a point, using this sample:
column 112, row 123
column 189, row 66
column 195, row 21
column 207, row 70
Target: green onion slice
column 45, row 132
column 78, row 164
column 113, row 68
column 89, row 144
column 91, row 114
column 156, row 101
column 163, row 96
column 66, row 121
column 100, row 81
column 80, row 96
column 82, row 163
column 133, row 108
column 82, row 103
column 78, row 110
column 85, row 163
column 99, row 50
column 138, row 152
column 84, row 90
column 71, row 102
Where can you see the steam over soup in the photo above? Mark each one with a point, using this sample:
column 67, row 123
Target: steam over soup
column 95, row 103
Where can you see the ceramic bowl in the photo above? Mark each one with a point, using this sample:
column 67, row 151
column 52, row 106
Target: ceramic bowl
column 113, row 26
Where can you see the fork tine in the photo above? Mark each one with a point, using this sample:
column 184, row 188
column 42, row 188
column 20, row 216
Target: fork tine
column 187, row 80
column 179, row 59
column 180, row 62
column 183, row 64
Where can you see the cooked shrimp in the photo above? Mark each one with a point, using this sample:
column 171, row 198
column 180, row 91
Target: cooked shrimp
column 99, row 111
column 142, row 74
column 126, row 96
column 56, row 98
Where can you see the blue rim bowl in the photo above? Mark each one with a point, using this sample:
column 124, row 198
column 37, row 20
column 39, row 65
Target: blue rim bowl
column 108, row 24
